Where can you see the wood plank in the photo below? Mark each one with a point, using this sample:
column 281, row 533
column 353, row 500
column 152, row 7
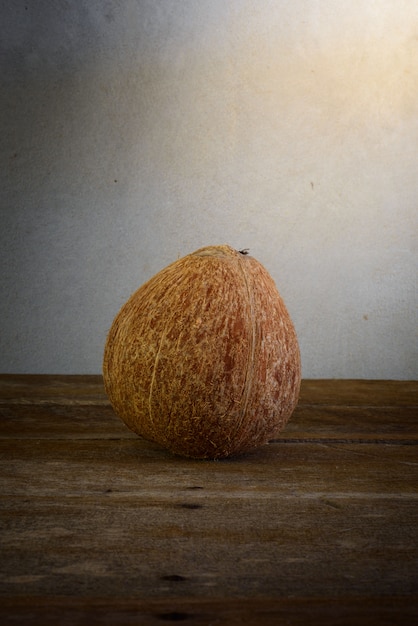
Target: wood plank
column 61, row 421
column 57, row 421
column 134, row 466
column 99, row 526
column 320, row 423
column 76, row 388
column 291, row 548
column 359, row 392
column 218, row 543
column 205, row 612
column 61, row 389
column 327, row 423
column 291, row 520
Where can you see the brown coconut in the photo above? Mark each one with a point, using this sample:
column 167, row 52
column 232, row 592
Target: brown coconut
column 203, row 358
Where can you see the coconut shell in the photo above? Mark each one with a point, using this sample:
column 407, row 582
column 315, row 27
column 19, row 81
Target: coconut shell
column 203, row 358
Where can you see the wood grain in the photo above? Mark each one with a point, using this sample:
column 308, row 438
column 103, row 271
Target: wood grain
column 101, row 527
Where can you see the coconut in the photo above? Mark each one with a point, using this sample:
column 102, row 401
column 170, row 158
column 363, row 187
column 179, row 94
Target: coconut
column 203, row 358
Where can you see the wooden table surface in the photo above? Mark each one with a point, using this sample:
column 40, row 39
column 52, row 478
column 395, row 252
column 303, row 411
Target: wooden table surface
column 98, row 526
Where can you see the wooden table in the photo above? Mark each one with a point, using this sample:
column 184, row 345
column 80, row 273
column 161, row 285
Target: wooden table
column 101, row 527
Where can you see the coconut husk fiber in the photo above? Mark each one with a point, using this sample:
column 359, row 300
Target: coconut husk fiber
column 203, row 358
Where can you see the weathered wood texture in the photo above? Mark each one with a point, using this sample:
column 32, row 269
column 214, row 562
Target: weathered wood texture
column 98, row 526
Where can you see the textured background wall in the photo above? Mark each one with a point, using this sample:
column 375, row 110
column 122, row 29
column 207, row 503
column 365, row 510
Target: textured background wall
column 135, row 132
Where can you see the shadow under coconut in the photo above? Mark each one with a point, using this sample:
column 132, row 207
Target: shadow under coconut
column 156, row 452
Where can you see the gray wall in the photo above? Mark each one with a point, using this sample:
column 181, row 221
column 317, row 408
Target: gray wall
column 135, row 132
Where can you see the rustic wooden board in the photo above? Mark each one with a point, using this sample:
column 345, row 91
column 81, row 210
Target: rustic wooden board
column 75, row 388
column 305, row 521
column 98, row 526
column 211, row 612
column 360, row 392
column 316, row 423
column 38, row 389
